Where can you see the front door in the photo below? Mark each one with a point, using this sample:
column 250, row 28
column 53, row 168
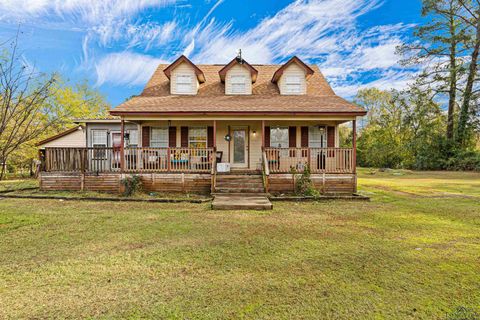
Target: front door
column 240, row 147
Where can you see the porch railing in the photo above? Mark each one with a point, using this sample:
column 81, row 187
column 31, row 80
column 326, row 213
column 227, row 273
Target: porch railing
column 136, row 160
column 319, row 160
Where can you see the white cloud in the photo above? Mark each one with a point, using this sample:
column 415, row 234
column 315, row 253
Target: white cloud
column 126, row 68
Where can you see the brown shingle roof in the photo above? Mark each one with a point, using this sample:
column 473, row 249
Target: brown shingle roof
column 211, row 98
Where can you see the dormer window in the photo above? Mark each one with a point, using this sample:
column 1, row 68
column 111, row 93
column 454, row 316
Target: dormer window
column 239, row 84
column 185, row 77
column 293, row 84
column 184, row 83
column 291, row 77
column 238, row 76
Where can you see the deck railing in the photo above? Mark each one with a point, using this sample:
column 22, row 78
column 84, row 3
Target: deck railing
column 320, row 160
column 136, row 160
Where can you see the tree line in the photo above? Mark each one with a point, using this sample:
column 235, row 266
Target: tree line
column 435, row 122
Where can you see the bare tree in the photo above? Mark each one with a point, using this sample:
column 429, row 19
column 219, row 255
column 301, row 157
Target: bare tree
column 25, row 111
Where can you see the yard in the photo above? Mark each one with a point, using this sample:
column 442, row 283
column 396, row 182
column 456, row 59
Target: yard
column 413, row 252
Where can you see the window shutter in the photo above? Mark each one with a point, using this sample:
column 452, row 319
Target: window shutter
column 172, row 137
column 210, row 137
column 146, row 137
column 292, row 137
column 331, row 137
column 267, row 137
column 184, row 137
column 304, row 137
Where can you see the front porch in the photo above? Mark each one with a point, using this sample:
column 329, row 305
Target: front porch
column 182, row 153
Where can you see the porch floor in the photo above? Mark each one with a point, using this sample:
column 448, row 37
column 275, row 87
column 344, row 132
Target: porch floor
column 241, row 202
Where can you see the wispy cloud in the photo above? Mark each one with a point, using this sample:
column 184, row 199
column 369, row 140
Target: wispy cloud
column 126, row 68
column 325, row 32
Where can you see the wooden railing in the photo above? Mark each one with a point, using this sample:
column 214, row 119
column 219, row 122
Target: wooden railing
column 136, row 160
column 320, row 160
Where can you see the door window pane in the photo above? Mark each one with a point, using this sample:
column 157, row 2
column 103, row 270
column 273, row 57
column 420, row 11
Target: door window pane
column 239, row 146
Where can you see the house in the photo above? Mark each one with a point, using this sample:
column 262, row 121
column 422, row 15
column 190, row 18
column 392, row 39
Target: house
column 191, row 123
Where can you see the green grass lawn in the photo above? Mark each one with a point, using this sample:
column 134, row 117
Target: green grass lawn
column 413, row 252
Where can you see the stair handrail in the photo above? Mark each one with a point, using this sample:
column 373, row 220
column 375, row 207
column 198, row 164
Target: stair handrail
column 214, row 169
column 266, row 169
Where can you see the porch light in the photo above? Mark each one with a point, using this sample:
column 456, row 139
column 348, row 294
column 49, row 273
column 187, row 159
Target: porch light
column 254, row 133
column 228, row 137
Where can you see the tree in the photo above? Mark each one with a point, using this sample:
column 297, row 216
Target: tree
column 34, row 105
column 439, row 48
column 470, row 14
column 405, row 129
column 24, row 113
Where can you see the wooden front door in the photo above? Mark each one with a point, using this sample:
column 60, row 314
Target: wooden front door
column 240, row 148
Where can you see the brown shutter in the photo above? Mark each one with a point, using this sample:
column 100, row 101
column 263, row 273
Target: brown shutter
column 146, row 137
column 304, row 137
column 267, row 137
column 210, row 137
column 330, row 137
column 184, row 137
column 292, row 137
column 172, row 137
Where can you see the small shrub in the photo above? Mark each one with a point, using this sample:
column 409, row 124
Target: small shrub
column 304, row 185
column 132, row 185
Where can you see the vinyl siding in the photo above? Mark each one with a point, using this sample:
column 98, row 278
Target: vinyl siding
column 183, row 68
column 238, row 70
column 293, row 70
column 74, row 139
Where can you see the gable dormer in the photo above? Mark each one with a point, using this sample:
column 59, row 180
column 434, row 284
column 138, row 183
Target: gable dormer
column 185, row 77
column 238, row 76
column 291, row 77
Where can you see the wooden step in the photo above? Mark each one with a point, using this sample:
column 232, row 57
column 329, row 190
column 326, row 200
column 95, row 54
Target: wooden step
column 239, row 190
column 241, row 202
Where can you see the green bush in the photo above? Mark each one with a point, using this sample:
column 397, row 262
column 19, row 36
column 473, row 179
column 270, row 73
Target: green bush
column 464, row 160
column 304, row 185
column 132, row 185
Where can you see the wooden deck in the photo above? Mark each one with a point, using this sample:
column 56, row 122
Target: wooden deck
column 194, row 170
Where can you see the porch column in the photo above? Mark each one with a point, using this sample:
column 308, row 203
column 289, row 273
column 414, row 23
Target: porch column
column 215, row 134
column 263, row 134
column 354, row 143
column 122, row 147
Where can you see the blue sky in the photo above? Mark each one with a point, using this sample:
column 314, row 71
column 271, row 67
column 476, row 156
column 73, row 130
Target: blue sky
column 117, row 44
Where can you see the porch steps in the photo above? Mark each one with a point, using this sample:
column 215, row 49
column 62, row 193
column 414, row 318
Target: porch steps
column 241, row 202
column 239, row 183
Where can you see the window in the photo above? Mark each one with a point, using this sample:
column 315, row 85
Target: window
column 279, row 137
column 238, row 84
column 293, row 84
column 133, row 139
column 197, row 137
column 184, row 83
column 159, row 137
column 99, row 141
column 317, row 137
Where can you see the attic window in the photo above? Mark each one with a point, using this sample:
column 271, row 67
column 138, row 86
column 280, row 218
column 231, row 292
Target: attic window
column 293, row 84
column 238, row 84
column 184, row 83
